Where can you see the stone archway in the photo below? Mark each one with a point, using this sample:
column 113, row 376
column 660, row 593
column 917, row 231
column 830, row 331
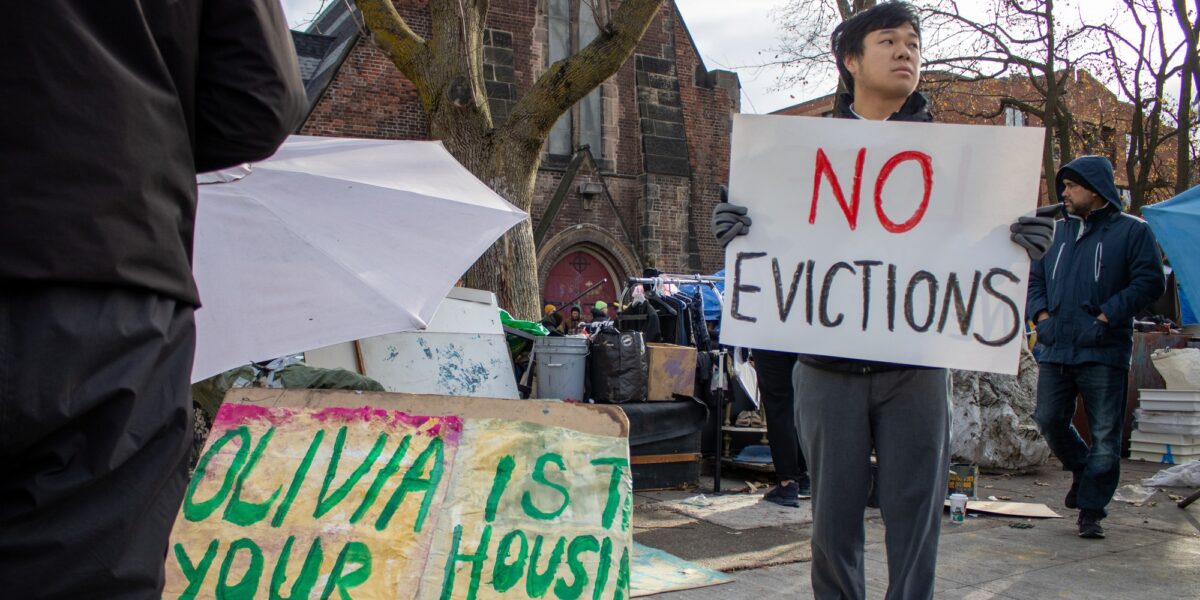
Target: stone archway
column 584, row 243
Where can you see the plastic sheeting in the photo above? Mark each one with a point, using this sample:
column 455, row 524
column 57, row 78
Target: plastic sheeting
column 992, row 424
column 1176, row 224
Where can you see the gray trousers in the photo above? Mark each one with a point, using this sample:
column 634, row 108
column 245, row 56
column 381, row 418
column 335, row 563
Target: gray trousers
column 904, row 417
column 95, row 430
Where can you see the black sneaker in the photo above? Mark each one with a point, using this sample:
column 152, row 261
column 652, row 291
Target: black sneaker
column 1089, row 527
column 804, row 488
column 784, row 494
column 1072, row 494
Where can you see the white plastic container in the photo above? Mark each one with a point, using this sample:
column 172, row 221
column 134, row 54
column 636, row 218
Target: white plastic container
column 1173, row 400
column 1168, row 453
column 1165, row 421
column 1160, row 458
column 1173, row 439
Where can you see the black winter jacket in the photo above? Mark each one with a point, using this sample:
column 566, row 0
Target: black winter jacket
column 1107, row 264
column 108, row 112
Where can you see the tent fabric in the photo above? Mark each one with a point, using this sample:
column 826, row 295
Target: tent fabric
column 1176, row 225
column 712, row 303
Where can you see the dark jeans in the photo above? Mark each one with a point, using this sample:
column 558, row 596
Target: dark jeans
column 779, row 403
column 1103, row 389
column 95, row 431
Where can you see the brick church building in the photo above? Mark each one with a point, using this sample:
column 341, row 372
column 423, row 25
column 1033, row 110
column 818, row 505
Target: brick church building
column 628, row 177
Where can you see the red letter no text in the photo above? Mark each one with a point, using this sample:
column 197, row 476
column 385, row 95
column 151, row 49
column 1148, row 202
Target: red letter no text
column 927, row 179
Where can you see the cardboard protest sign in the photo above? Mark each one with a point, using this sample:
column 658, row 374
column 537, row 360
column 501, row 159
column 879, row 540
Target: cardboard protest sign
column 302, row 495
column 881, row 241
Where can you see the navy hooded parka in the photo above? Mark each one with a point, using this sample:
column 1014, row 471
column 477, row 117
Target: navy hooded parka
column 1107, row 263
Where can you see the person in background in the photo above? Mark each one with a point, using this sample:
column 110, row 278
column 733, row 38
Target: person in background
column 570, row 325
column 847, row 408
column 600, row 306
column 109, row 111
column 1102, row 269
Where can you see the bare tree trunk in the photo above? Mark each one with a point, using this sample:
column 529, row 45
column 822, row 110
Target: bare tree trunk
column 1189, row 77
column 447, row 71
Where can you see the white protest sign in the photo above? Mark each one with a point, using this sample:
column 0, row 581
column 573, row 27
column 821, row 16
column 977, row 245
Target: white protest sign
column 881, row 241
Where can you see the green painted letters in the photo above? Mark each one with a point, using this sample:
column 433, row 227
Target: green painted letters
column 308, row 572
column 393, row 465
column 412, row 482
column 194, row 573
column 505, row 575
column 504, row 471
column 579, row 545
column 456, row 557
column 614, row 487
column 539, row 475
column 246, row 588
column 298, row 479
column 606, row 547
column 353, row 553
column 536, row 583
column 244, row 513
column 324, row 505
column 198, row 511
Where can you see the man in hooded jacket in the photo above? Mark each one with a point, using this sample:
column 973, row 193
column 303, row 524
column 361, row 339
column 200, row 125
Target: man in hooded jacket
column 109, row 110
column 1102, row 268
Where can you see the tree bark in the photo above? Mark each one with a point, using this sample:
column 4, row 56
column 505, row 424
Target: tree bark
column 1189, row 77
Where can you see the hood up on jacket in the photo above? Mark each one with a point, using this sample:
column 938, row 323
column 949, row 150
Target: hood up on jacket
column 1098, row 173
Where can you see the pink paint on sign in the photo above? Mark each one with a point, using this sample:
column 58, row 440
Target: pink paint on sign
column 232, row 415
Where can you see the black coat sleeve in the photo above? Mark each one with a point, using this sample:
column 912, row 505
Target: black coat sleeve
column 249, row 95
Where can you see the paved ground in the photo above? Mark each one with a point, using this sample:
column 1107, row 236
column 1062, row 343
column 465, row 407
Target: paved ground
column 1152, row 551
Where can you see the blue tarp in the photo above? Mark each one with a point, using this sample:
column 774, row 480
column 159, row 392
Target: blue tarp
column 1176, row 224
column 712, row 304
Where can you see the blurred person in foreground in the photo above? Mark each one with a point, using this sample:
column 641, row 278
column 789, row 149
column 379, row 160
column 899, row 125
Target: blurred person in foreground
column 110, row 110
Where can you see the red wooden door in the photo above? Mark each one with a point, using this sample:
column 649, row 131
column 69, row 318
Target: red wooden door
column 576, row 272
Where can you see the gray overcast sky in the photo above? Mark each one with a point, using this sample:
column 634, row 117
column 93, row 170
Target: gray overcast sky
column 731, row 34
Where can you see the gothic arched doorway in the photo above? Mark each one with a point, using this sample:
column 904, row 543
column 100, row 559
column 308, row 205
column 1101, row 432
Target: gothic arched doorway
column 575, row 272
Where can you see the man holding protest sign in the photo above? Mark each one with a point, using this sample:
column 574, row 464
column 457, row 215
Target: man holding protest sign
column 1103, row 268
column 847, row 407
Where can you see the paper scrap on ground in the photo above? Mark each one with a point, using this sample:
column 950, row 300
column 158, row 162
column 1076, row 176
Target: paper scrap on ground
column 1011, row 509
column 655, row 571
column 741, row 511
column 375, row 503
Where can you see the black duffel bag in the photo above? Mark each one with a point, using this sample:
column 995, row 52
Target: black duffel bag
column 619, row 370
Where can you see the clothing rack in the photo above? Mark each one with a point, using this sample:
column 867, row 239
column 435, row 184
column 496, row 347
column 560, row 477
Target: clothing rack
column 720, row 387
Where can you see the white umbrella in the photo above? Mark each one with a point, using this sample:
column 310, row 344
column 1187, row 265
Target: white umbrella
column 331, row 240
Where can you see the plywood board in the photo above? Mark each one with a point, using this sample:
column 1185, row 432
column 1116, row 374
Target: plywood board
column 596, row 419
column 305, row 493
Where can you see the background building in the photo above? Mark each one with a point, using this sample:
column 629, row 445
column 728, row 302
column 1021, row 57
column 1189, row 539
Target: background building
column 628, row 177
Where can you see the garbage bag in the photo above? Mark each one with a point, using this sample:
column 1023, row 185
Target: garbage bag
column 1185, row 475
column 619, row 367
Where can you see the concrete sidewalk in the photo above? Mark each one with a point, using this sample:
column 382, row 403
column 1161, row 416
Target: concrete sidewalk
column 1152, row 551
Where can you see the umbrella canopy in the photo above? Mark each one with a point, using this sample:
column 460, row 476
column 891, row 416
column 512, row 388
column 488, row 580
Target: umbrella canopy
column 1176, row 224
column 331, row 240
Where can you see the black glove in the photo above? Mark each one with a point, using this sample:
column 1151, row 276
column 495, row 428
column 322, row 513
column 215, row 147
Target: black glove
column 1035, row 233
column 729, row 220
